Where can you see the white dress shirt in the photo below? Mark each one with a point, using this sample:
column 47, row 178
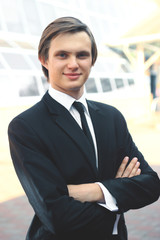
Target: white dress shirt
column 67, row 101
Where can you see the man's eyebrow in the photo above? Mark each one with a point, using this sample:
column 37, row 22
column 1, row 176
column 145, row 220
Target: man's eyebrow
column 84, row 52
column 61, row 51
column 77, row 52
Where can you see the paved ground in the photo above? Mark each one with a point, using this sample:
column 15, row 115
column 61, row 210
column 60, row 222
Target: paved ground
column 144, row 224
column 16, row 213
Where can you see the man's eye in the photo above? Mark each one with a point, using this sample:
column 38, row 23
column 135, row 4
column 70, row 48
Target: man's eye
column 62, row 55
column 83, row 55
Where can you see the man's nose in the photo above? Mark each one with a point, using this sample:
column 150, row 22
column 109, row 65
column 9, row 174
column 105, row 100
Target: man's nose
column 73, row 63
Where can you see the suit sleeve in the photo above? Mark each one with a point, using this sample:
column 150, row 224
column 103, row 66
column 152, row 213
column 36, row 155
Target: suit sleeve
column 47, row 190
column 138, row 191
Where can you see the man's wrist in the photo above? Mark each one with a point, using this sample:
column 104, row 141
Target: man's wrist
column 99, row 196
column 89, row 192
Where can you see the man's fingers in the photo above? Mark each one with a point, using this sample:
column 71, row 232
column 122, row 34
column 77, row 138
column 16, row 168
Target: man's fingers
column 129, row 171
column 122, row 167
column 138, row 172
column 132, row 168
column 135, row 170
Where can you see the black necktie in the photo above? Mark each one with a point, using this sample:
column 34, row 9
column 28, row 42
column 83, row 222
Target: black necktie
column 80, row 109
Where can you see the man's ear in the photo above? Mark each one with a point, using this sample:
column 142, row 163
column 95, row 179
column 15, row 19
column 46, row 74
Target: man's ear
column 43, row 62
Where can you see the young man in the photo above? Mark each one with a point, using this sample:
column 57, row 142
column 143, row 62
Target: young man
column 78, row 185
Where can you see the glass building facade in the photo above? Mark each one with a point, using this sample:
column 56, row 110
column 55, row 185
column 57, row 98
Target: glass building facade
column 21, row 24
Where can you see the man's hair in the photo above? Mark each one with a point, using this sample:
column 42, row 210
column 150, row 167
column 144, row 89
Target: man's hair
column 61, row 26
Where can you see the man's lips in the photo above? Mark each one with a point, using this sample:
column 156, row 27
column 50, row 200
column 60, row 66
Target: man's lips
column 72, row 75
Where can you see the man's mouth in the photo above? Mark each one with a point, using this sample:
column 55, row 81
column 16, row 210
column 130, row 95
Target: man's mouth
column 72, row 76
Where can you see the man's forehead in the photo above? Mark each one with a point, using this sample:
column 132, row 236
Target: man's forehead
column 72, row 40
column 72, row 35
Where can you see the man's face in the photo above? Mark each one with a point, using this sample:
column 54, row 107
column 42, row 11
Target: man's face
column 69, row 62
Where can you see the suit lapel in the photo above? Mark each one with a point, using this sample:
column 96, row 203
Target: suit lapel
column 67, row 123
column 101, row 128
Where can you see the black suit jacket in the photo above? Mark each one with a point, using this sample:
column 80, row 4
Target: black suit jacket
column 49, row 151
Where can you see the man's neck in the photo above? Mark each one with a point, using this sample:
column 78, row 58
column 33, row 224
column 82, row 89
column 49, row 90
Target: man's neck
column 75, row 93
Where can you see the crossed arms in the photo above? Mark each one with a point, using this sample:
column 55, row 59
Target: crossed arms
column 91, row 192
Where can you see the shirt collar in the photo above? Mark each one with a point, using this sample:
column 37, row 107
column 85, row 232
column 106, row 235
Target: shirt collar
column 66, row 100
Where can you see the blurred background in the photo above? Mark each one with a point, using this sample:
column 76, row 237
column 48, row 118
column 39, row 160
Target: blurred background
column 126, row 75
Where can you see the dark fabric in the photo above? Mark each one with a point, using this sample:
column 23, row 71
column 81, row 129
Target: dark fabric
column 50, row 151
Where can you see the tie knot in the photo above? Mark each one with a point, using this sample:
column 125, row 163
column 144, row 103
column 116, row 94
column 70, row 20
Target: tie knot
column 79, row 107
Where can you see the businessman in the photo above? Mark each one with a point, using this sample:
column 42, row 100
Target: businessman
column 75, row 158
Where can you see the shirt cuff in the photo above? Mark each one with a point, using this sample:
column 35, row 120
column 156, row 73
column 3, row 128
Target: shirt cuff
column 115, row 228
column 110, row 201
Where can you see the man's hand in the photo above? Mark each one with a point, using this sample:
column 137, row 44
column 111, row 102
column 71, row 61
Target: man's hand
column 129, row 171
column 91, row 192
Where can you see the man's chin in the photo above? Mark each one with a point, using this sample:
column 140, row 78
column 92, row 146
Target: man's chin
column 76, row 92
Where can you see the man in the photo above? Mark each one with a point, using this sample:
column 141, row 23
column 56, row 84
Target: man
column 78, row 185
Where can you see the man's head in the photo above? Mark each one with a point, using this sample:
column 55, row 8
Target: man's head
column 61, row 26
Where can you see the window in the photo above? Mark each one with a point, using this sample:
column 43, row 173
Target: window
column 119, row 82
column 32, row 16
column 130, row 81
column 28, row 87
column 48, row 12
column 35, row 60
column 16, row 61
column 91, row 86
column 12, row 14
column 96, row 27
column 106, row 85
